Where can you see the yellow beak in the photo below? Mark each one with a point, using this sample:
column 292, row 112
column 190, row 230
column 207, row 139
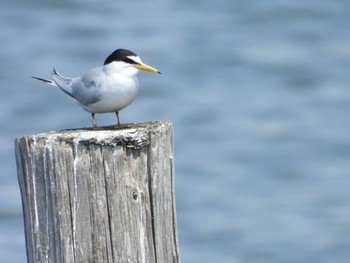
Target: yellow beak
column 147, row 68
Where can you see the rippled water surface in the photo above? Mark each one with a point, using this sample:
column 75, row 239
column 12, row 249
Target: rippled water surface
column 259, row 95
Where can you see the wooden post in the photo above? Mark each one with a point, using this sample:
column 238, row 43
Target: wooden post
column 99, row 196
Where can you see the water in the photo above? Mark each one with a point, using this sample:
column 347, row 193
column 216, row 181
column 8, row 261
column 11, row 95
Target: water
column 259, row 95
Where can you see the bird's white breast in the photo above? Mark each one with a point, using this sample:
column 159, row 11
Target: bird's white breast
column 116, row 94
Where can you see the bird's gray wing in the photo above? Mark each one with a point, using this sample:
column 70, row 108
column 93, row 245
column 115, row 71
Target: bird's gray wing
column 63, row 83
column 87, row 88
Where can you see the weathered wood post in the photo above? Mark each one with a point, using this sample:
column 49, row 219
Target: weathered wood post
column 99, row 196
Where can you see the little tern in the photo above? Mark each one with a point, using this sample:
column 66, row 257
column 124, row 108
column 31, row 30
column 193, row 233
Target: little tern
column 109, row 88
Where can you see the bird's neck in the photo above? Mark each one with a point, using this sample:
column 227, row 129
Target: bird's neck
column 120, row 68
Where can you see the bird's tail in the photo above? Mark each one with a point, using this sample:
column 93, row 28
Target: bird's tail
column 59, row 81
column 47, row 81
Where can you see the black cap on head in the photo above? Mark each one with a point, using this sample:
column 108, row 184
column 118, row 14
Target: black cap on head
column 121, row 55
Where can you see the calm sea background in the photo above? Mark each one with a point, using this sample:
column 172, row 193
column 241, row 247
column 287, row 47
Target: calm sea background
column 259, row 93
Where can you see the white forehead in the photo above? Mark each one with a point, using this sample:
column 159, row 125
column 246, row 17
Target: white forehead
column 135, row 58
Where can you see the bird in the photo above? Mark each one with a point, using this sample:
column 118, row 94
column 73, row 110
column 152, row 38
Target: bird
column 108, row 88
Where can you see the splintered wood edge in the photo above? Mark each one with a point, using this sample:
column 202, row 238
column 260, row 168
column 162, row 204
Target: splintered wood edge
column 132, row 136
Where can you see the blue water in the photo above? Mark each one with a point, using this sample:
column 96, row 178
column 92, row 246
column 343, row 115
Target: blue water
column 259, row 95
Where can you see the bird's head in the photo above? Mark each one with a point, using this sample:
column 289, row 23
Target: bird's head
column 126, row 60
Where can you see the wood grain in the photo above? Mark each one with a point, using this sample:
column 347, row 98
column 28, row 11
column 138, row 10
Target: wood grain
column 99, row 196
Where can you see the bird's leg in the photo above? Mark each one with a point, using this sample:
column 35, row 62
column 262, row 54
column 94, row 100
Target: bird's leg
column 94, row 121
column 118, row 124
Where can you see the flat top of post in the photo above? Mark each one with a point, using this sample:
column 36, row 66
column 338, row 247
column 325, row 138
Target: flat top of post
column 134, row 135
